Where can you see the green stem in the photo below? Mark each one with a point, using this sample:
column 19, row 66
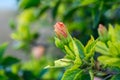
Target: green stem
column 91, row 74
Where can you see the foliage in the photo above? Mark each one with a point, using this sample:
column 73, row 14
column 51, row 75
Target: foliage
column 79, row 60
column 110, row 50
column 14, row 69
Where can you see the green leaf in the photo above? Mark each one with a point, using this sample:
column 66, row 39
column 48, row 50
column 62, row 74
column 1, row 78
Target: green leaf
column 80, row 48
column 90, row 48
column 55, row 9
column 2, row 49
column 102, row 48
column 109, row 61
column 61, row 63
column 69, row 53
column 86, row 2
column 77, row 61
column 12, row 24
column 91, row 74
column 23, row 4
column 114, row 48
column 71, row 74
column 8, row 61
column 27, row 16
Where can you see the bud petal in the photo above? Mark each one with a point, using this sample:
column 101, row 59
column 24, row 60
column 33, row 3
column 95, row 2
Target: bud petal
column 103, row 33
column 102, row 30
column 60, row 30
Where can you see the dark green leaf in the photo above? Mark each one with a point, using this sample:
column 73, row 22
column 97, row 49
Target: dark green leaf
column 8, row 61
column 116, row 77
column 23, row 4
column 55, row 9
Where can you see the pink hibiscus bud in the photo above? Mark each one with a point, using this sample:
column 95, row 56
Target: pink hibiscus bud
column 60, row 30
column 102, row 30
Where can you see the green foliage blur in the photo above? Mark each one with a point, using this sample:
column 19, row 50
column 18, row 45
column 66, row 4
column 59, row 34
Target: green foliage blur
column 82, row 16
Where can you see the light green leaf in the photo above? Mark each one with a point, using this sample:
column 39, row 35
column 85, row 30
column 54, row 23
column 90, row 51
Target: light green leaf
column 90, row 48
column 86, row 2
column 109, row 61
column 27, row 16
column 102, row 48
column 58, row 43
column 114, row 48
column 112, row 33
column 77, row 61
column 69, row 52
column 61, row 63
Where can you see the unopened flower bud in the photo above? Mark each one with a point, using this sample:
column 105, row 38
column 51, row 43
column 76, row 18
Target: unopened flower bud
column 102, row 30
column 60, row 30
column 103, row 33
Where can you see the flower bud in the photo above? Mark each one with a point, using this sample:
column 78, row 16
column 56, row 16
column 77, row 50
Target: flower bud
column 60, row 30
column 103, row 33
column 102, row 30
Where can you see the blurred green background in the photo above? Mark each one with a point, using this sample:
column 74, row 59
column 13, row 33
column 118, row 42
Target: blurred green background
column 27, row 45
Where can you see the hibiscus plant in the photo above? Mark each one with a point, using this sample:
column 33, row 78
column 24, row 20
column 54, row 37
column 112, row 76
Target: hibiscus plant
column 97, row 60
